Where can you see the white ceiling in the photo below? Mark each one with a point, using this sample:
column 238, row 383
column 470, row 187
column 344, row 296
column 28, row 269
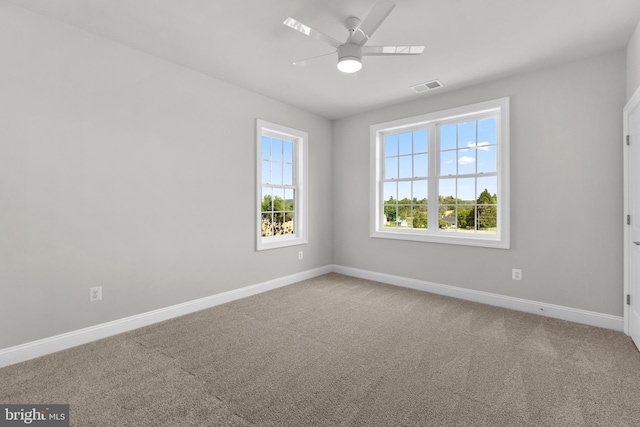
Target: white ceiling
column 245, row 43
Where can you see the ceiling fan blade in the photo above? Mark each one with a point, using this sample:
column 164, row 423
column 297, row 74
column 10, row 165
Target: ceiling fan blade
column 370, row 24
column 304, row 61
column 392, row 50
column 305, row 29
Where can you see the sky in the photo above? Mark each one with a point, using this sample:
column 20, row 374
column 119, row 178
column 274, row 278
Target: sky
column 466, row 148
column 277, row 161
column 277, row 167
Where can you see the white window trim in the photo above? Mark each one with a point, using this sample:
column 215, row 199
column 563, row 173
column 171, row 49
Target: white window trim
column 502, row 239
column 300, row 141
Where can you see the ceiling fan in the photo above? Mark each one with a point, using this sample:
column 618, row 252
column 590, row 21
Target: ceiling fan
column 350, row 52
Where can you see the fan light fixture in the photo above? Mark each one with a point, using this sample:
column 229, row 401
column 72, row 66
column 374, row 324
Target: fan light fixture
column 351, row 51
column 349, row 58
column 349, row 65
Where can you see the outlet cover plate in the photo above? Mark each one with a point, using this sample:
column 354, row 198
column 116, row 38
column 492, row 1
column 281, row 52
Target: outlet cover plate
column 516, row 274
column 95, row 294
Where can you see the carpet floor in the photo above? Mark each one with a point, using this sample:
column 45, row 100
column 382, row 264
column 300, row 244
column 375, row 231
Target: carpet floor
column 340, row 351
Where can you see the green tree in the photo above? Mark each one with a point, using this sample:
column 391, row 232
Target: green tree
column 466, row 216
column 419, row 217
column 486, row 198
column 390, row 210
column 266, row 203
column 278, row 204
column 445, row 204
column 390, row 213
column 487, row 210
column 419, row 202
column 289, row 205
column 404, row 209
column 275, row 205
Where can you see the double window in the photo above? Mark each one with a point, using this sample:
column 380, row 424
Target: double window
column 281, row 183
column 443, row 177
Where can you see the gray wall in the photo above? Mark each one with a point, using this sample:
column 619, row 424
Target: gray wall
column 566, row 191
column 633, row 63
column 122, row 170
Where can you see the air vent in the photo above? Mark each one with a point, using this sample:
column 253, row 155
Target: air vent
column 423, row 87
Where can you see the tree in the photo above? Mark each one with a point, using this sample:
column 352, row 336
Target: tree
column 390, row 213
column 404, row 209
column 267, row 203
column 486, row 198
column 289, row 205
column 466, row 217
column 419, row 217
column 446, row 204
column 390, row 210
column 275, row 221
column 487, row 210
column 419, row 202
column 278, row 204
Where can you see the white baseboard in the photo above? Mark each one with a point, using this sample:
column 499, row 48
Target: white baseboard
column 31, row 350
column 555, row 311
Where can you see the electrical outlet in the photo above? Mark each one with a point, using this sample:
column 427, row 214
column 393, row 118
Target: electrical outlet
column 95, row 294
column 300, row 255
column 516, row 274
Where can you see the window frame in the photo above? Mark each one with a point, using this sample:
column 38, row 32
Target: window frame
column 300, row 142
column 433, row 121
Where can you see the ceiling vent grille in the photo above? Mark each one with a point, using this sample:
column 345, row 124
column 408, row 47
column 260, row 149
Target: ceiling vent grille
column 423, row 87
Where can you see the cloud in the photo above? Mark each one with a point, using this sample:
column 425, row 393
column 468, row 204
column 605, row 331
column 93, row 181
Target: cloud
column 484, row 146
column 464, row 160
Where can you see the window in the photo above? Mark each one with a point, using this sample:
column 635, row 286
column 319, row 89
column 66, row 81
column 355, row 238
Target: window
column 443, row 177
column 281, row 186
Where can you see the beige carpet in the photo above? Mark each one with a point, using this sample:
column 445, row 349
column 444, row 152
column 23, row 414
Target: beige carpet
column 339, row 351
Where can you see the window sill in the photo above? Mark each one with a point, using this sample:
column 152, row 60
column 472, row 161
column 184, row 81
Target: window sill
column 279, row 242
column 444, row 238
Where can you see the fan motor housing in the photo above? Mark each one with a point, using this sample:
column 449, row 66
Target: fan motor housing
column 349, row 51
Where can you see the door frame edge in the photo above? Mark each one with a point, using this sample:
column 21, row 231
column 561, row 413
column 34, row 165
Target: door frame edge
column 632, row 104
